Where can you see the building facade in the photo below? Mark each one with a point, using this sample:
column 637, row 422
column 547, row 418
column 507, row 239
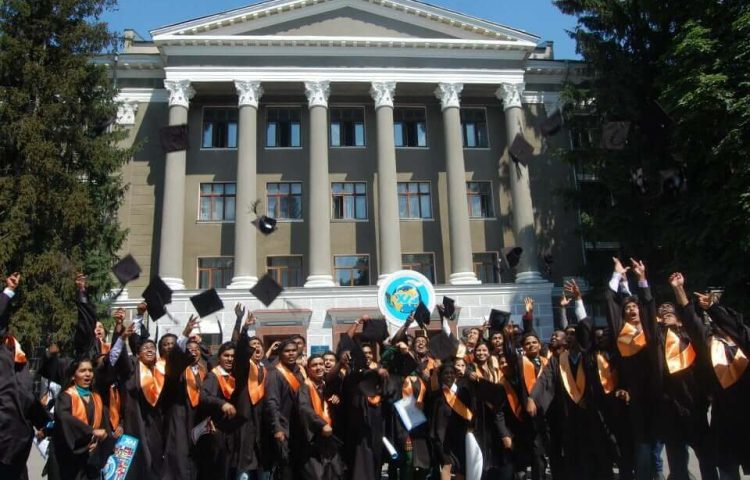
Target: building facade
column 376, row 132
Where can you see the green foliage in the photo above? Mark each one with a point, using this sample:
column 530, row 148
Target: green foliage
column 693, row 58
column 60, row 185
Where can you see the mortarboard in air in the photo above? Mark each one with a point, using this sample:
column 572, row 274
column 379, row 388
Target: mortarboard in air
column 404, row 364
column 374, row 330
column 449, row 307
column 126, row 270
column 174, row 138
column 347, row 344
column 552, row 124
column 266, row 290
column 443, row 346
column 521, row 150
column 422, row 315
column 615, row 135
column 207, row 302
column 157, row 294
column 498, row 320
column 512, row 255
column 371, row 383
column 265, row 224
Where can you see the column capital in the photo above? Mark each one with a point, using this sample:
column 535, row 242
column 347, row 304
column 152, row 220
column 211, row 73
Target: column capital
column 449, row 94
column 317, row 93
column 126, row 113
column 511, row 94
column 180, row 92
column 249, row 92
column 383, row 93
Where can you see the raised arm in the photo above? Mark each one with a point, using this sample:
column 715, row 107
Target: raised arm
column 528, row 317
column 243, row 352
column 11, row 284
column 689, row 317
column 648, row 303
column 84, row 341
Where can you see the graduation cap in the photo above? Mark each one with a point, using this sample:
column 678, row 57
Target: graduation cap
column 443, row 346
column 498, row 320
column 422, row 315
column 265, row 224
column 207, row 302
column 266, row 290
column 374, row 330
column 552, row 124
column 126, row 270
column 358, row 360
column 521, row 150
column 157, row 294
column 449, row 307
column 512, row 255
column 371, row 383
column 615, row 135
column 404, row 364
column 174, row 138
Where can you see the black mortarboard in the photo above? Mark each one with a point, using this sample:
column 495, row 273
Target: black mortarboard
column 157, row 294
column 443, row 346
column 552, row 124
column 404, row 364
column 371, row 383
column 449, row 307
column 357, row 360
column 174, row 138
column 512, row 255
column 498, row 320
column 374, row 330
column 521, row 150
column 207, row 302
column 126, row 270
column 615, row 135
column 422, row 315
column 265, row 224
column 266, row 290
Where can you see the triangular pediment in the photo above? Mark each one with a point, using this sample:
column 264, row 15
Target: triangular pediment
column 346, row 18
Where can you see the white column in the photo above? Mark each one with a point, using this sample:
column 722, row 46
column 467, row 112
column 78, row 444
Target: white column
column 245, row 234
column 524, row 229
column 173, row 207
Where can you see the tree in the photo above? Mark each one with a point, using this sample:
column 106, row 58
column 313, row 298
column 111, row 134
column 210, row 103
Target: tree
column 679, row 73
column 60, row 185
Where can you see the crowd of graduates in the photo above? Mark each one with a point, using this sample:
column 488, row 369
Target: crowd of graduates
column 592, row 403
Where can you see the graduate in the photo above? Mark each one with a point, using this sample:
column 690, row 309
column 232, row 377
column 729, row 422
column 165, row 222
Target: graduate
column 320, row 458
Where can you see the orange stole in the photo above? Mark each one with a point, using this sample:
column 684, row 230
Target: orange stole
column 18, row 355
column 226, row 381
column 457, row 405
column 319, row 405
column 677, row 359
column 114, row 407
column 191, row 384
column 512, row 396
column 152, row 381
column 575, row 386
column 255, row 388
column 407, row 389
column 104, row 347
column 631, row 340
column 291, row 379
column 607, row 376
column 727, row 371
column 78, row 407
column 529, row 372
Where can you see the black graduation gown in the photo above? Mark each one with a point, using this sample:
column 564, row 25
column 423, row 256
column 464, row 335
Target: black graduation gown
column 364, row 437
column 489, row 429
column 320, row 458
column 420, row 435
column 448, row 429
column 218, row 450
column 179, row 420
column 249, row 446
column 280, row 415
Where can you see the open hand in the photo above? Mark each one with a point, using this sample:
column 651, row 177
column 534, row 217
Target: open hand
column 619, row 268
column 190, row 325
column 571, row 287
column 12, row 281
column 528, row 302
column 239, row 310
column 705, row 300
column 676, row 280
column 639, row 268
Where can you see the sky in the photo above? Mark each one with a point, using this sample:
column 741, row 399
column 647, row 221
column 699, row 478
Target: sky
column 539, row 17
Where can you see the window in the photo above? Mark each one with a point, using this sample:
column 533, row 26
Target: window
column 215, row 272
column 283, row 127
column 287, row 271
column 409, row 127
column 479, row 196
column 474, row 127
column 349, row 201
column 217, row 202
column 414, row 200
column 348, row 127
column 423, row 263
column 220, row 127
column 284, row 200
column 485, row 267
column 352, row 270
column 584, row 132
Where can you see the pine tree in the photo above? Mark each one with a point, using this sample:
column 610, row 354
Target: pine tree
column 60, row 185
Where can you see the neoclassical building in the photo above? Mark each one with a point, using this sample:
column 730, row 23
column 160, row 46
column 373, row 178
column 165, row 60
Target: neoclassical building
column 376, row 133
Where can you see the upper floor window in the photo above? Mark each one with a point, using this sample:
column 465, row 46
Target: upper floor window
column 284, row 200
column 474, row 127
column 423, row 263
column 352, row 270
column 347, row 126
column 479, row 196
column 215, row 272
column 410, row 126
column 349, row 200
column 486, row 267
column 414, row 200
column 283, row 127
column 217, row 202
column 287, row 271
column 219, row 127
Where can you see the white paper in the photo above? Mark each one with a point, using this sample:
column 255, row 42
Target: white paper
column 411, row 415
column 199, row 430
column 474, row 460
column 42, row 446
column 391, row 449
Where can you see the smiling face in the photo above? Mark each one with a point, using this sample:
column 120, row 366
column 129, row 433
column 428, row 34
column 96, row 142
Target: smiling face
column 460, row 367
column 166, row 344
column 226, row 359
column 194, row 351
column 481, row 353
column 147, row 353
column 329, row 361
column 420, row 345
column 367, row 350
column 316, row 369
column 531, row 346
column 473, row 337
column 84, row 374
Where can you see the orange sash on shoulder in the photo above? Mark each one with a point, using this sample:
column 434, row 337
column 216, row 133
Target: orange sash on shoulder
column 530, row 374
column 407, row 389
column 727, row 371
column 291, row 379
column 512, row 396
column 114, row 407
column 78, row 407
column 191, row 384
column 607, row 376
column 457, row 405
column 18, row 355
column 319, row 405
column 631, row 340
column 255, row 388
column 575, row 386
column 226, row 381
column 152, row 381
column 677, row 359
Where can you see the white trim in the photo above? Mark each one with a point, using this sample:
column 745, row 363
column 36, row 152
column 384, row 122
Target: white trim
column 143, row 95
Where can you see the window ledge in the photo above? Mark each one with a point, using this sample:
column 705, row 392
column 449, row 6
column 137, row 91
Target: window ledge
column 413, row 148
column 289, row 220
column 209, row 222
column 218, row 149
column 483, row 218
column 350, row 220
column 416, row 219
column 481, row 149
column 348, row 147
column 282, row 148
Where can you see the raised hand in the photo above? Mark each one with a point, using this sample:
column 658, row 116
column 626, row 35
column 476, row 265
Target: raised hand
column 619, row 268
column 528, row 302
column 676, row 280
column 639, row 268
column 564, row 301
column 239, row 310
column 12, row 281
column 705, row 300
column 119, row 315
column 571, row 287
column 250, row 319
column 190, row 325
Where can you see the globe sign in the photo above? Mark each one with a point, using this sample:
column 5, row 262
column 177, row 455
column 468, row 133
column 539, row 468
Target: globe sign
column 400, row 294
